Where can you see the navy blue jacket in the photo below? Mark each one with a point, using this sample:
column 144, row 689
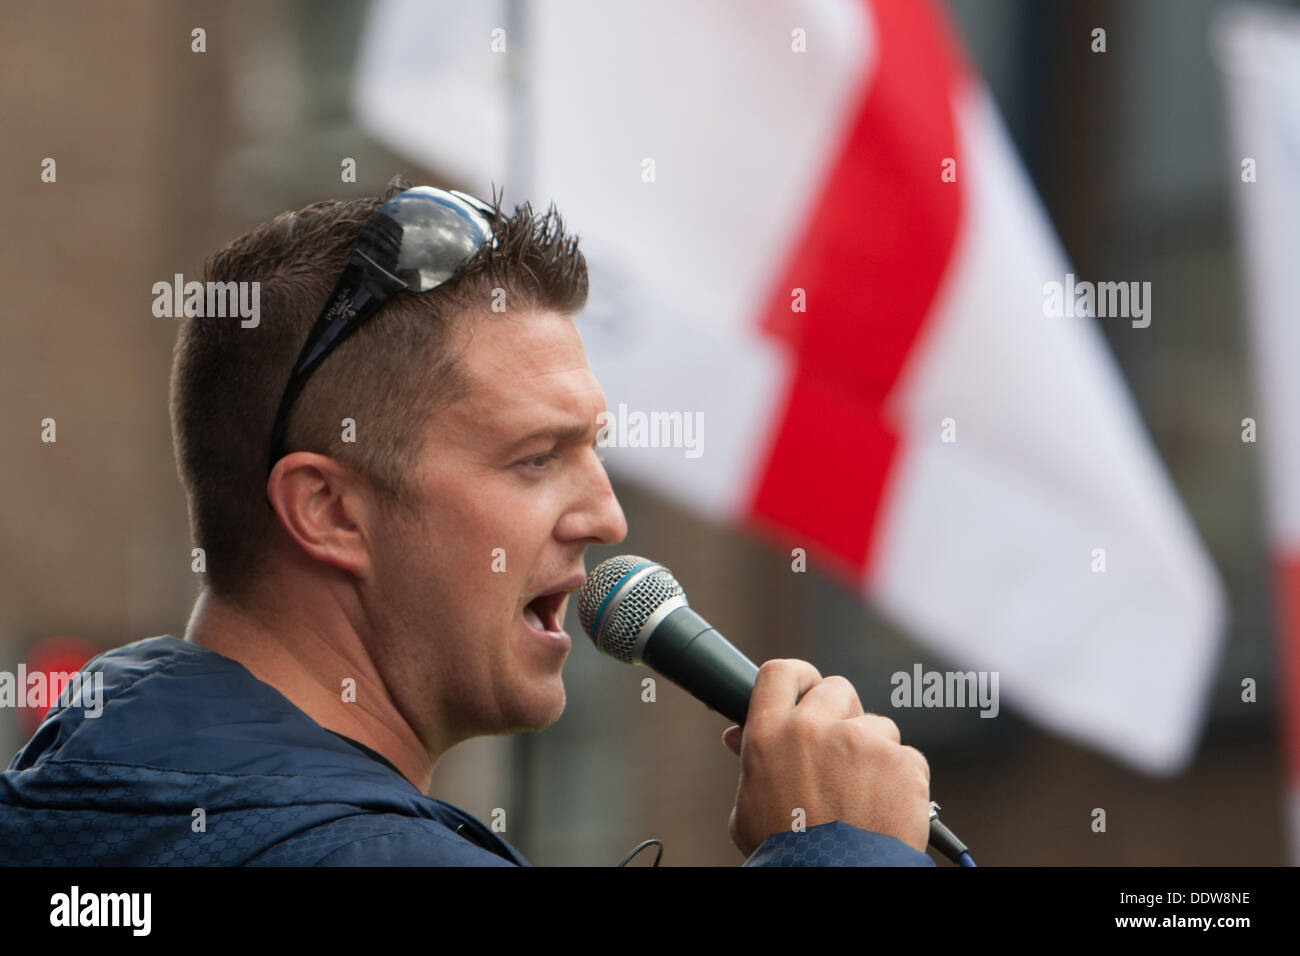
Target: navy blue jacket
column 183, row 728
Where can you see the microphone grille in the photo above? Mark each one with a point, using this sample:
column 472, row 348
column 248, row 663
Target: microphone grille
column 601, row 583
column 623, row 619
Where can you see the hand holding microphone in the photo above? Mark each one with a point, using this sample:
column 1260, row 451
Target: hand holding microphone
column 825, row 755
column 808, row 744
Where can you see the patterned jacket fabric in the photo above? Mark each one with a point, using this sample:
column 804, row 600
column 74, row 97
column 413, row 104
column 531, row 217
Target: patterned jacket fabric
column 192, row 761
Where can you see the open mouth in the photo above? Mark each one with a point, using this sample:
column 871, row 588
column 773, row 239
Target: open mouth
column 543, row 611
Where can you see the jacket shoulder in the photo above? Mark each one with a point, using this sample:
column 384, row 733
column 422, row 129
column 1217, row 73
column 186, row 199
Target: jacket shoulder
column 836, row 844
column 379, row 839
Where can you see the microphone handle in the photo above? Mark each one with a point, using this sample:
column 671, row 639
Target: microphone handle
column 689, row 651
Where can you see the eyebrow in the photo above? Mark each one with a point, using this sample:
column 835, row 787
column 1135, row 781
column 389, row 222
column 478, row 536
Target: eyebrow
column 573, row 432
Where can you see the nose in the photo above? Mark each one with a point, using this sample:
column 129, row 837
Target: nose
column 596, row 516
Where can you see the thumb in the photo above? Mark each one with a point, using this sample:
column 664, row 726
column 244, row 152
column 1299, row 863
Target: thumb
column 731, row 739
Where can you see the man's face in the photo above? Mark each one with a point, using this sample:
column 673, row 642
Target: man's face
column 510, row 491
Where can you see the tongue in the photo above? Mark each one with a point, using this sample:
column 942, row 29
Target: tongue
column 531, row 617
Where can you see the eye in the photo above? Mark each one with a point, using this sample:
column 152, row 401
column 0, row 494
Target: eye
column 540, row 462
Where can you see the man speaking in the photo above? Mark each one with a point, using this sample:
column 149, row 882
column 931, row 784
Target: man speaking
column 393, row 478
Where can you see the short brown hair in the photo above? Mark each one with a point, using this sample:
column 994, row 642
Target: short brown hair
column 391, row 376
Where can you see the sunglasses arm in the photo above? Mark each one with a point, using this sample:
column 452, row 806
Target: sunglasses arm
column 361, row 289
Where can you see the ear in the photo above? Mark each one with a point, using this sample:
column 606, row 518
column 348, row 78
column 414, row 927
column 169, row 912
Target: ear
column 325, row 508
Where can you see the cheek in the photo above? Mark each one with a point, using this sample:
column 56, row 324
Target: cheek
column 480, row 540
column 508, row 522
column 417, row 568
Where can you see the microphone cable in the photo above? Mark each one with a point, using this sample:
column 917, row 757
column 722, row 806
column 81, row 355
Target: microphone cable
column 945, row 841
column 658, row 856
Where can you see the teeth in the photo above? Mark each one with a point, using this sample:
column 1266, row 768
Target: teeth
column 531, row 617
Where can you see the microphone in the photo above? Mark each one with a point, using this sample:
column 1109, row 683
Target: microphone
column 636, row 612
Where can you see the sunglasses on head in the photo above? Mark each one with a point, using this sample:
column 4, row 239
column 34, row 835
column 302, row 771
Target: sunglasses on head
column 414, row 242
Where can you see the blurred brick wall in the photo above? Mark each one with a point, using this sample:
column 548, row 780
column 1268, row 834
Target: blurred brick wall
column 93, row 540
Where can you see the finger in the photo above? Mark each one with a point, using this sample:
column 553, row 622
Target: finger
column 832, row 697
column 779, row 685
column 881, row 726
column 922, row 764
column 731, row 739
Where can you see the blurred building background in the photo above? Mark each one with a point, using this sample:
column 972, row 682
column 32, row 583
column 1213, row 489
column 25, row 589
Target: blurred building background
column 164, row 154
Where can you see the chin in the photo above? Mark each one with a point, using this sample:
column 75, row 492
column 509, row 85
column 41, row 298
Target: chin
column 539, row 711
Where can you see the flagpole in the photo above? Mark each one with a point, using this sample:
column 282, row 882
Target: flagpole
column 518, row 172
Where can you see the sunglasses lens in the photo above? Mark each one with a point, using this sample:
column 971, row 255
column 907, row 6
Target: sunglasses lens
column 440, row 233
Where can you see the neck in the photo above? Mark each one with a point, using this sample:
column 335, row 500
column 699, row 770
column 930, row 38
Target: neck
column 320, row 663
